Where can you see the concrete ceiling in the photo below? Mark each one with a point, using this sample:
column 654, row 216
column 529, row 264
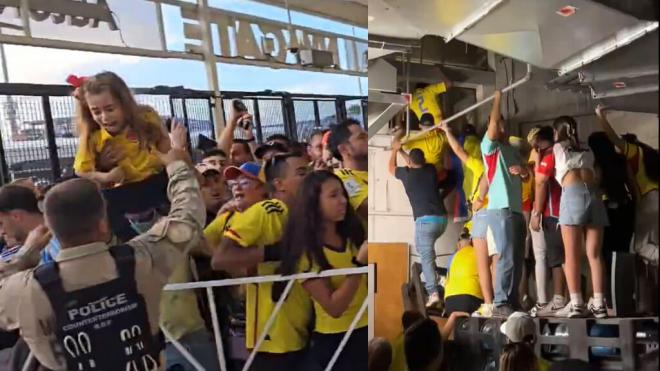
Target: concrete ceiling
column 531, row 31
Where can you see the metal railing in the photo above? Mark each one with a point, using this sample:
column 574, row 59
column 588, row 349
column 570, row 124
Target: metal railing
column 38, row 137
column 208, row 285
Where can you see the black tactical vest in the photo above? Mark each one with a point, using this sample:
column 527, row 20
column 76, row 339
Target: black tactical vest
column 103, row 327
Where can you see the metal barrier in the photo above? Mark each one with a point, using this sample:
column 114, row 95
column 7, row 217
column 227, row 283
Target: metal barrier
column 37, row 129
column 208, row 285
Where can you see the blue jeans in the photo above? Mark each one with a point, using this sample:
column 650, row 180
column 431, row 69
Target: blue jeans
column 509, row 235
column 428, row 229
column 200, row 345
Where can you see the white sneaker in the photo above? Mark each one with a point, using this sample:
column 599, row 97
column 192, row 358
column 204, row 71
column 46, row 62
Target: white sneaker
column 572, row 310
column 433, row 300
column 484, row 311
column 546, row 310
column 597, row 311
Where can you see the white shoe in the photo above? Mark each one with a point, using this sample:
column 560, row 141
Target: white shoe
column 433, row 301
column 484, row 311
column 597, row 311
column 572, row 310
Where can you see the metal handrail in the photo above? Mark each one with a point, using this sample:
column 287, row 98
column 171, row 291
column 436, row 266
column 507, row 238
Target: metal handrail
column 523, row 80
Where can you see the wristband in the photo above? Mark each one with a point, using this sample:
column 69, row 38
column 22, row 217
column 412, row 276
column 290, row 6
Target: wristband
column 536, row 212
column 250, row 140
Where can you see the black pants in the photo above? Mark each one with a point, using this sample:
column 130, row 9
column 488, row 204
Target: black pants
column 353, row 356
column 461, row 303
column 134, row 198
column 292, row 361
column 616, row 237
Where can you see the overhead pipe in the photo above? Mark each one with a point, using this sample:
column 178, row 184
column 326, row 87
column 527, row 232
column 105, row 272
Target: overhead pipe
column 588, row 76
column 523, row 80
column 610, row 93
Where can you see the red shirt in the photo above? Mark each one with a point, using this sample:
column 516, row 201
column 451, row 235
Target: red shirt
column 546, row 167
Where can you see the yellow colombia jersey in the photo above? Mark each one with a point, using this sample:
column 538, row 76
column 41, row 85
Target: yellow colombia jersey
column 262, row 225
column 433, row 144
column 214, row 231
column 426, row 101
column 356, row 183
column 474, row 169
column 635, row 157
column 137, row 163
column 463, row 278
column 325, row 323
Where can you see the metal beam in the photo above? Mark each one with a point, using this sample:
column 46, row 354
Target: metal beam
column 383, row 118
column 625, row 91
column 620, row 39
column 587, row 76
column 523, row 80
column 472, row 19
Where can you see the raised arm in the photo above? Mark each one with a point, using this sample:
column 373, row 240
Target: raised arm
column 396, row 147
column 174, row 235
column 454, row 144
column 493, row 131
column 607, row 128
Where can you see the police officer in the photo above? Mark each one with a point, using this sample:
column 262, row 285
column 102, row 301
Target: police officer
column 97, row 306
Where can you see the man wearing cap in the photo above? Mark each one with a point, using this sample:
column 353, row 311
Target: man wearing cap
column 266, row 151
column 20, row 214
column 519, row 328
column 433, row 144
column 213, row 187
column 505, row 219
column 249, row 242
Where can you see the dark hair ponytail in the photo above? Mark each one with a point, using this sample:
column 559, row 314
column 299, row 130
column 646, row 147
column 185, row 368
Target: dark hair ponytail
column 569, row 124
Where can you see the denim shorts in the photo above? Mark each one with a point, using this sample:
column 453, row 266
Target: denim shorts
column 479, row 224
column 580, row 205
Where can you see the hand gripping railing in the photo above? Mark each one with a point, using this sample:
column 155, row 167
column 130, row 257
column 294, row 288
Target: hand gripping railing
column 208, row 285
column 523, row 80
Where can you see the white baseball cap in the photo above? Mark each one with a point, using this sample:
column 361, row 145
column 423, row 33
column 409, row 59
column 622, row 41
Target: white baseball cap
column 518, row 326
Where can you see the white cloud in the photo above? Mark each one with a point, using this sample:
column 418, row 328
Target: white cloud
column 52, row 66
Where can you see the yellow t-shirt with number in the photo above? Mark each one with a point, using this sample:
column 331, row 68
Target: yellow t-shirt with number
column 325, row 323
column 138, row 163
column 635, row 157
column 261, row 225
column 433, row 144
column 426, row 101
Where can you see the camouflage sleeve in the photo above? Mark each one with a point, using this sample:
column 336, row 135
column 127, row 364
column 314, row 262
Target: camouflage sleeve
column 167, row 242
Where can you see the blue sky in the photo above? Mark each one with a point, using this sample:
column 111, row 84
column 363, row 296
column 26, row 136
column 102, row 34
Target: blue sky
column 31, row 65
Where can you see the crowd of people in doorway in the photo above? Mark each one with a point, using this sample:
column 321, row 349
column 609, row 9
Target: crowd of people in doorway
column 84, row 262
column 527, row 209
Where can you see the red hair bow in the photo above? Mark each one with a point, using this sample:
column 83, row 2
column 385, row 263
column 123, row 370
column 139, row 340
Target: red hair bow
column 76, row 81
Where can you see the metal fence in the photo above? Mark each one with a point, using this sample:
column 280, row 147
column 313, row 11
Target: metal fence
column 38, row 137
